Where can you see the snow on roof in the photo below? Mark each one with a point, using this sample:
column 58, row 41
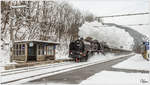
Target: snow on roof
column 21, row 6
column 52, row 42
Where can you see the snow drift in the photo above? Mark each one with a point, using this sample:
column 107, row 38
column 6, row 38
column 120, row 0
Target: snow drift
column 4, row 55
column 115, row 37
column 136, row 62
column 117, row 78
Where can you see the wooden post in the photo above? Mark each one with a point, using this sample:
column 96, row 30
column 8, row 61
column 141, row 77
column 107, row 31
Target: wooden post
column 26, row 52
column 54, row 51
column 12, row 56
column 37, row 52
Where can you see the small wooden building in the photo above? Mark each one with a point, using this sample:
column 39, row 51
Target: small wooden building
column 34, row 50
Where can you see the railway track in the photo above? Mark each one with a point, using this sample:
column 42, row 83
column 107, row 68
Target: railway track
column 34, row 68
column 60, row 68
column 29, row 69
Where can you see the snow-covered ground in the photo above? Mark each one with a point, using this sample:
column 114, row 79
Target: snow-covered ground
column 113, row 36
column 136, row 62
column 4, row 57
column 114, row 77
column 96, row 59
column 117, row 78
column 121, row 78
column 4, row 54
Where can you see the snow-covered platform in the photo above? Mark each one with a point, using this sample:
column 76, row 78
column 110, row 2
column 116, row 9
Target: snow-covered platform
column 117, row 78
column 34, row 63
column 136, row 62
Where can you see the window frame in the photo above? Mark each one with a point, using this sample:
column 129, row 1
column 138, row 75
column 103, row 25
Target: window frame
column 18, row 49
column 40, row 50
column 50, row 50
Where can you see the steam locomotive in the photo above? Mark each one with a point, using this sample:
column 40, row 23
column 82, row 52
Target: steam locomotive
column 80, row 50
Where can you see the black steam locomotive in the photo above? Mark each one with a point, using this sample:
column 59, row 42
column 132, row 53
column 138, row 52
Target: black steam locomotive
column 80, row 50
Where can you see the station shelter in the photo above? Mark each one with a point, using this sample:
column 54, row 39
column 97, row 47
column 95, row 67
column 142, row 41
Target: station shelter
column 33, row 50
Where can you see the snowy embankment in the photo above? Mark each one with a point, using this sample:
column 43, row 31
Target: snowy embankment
column 117, row 78
column 4, row 56
column 143, row 29
column 113, row 36
column 139, row 23
column 136, row 62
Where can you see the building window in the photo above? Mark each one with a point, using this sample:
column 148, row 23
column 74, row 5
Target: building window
column 50, row 50
column 14, row 50
column 40, row 50
column 45, row 50
column 19, row 49
column 23, row 49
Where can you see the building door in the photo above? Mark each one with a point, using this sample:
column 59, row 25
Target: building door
column 32, row 52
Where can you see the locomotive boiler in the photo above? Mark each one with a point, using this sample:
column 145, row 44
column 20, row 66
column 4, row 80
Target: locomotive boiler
column 81, row 49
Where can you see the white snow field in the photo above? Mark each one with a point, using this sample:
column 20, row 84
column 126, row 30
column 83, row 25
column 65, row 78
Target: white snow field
column 136, row 62
column 117, row 78
column 113, row 36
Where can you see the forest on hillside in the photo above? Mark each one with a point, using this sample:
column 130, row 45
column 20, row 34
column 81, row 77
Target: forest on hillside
column 41, row 20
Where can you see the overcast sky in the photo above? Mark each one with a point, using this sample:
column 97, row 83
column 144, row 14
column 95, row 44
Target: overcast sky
column 111, row 7
column 114, row 7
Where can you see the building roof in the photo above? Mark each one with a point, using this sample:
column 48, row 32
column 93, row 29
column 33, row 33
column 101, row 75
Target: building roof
column 38, row 41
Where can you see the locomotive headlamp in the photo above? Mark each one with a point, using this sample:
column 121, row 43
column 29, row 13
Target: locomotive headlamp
column 70, row 52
